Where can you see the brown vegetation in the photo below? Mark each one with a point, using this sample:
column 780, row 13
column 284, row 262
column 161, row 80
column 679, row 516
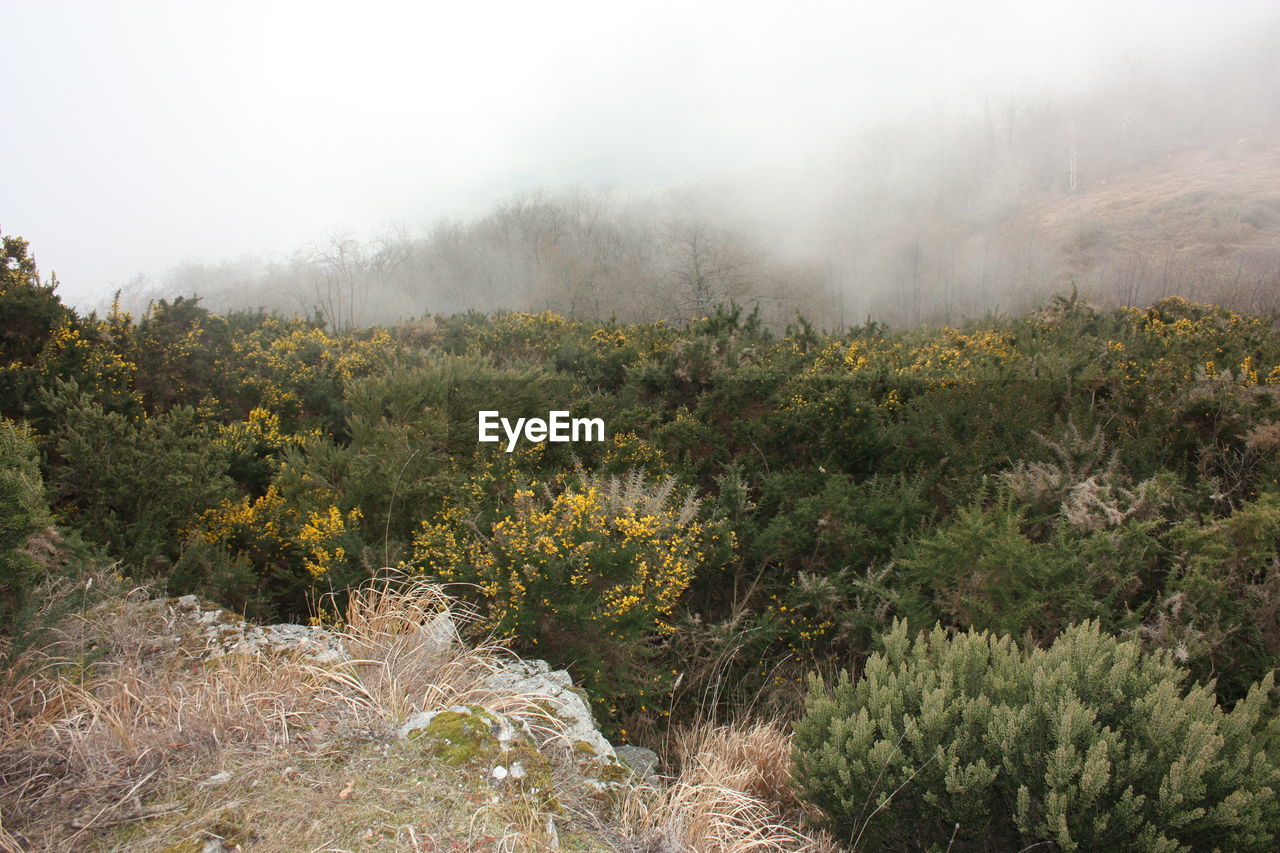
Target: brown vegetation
column 123, row 734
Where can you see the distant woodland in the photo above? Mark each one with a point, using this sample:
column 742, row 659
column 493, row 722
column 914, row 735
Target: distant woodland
column 1155, row 181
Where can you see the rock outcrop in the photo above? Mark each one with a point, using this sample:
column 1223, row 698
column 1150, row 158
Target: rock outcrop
column 502, row 749
column 227, row 634
column 565, row 702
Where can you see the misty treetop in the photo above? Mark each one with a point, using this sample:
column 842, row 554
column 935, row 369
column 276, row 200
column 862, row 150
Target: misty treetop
column 1150, row 180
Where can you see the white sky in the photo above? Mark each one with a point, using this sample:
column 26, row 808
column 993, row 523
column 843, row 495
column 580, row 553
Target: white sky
column 137, row 135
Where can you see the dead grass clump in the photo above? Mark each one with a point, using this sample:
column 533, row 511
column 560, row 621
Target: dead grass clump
column 754, row 759
column 118, row 732
column 732, row 795
column 124, row 701
column 405, row 641
column 92, row 740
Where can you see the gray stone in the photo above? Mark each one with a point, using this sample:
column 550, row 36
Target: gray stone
column 566, row 703
column 642, row 762
column 416, row 723
column 441, row 630
column 226, row 634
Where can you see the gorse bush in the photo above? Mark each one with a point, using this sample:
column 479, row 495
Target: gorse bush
column 1013, row 474
column 978, row 569
column 32, row 312
column 966, row 742
column 1223, row 604
column 587, row 570
column 983, row 568
column 272, row 549
column 132, row 484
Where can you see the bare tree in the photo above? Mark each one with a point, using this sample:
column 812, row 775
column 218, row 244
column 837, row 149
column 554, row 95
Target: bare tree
column 340, row 287
column 710, row 267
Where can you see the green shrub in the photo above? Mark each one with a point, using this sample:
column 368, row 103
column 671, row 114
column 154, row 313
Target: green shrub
column 23, row 511
column 132, row 485
column 585, row 571
column 967, row 743
column 1221, row 606
column 216, row 573
column 843, row 523
column 32, row 313
column 979, row 570
column 406, row 426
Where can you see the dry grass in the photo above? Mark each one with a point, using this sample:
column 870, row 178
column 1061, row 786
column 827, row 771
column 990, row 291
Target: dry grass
column 350, row 795
column 83, row 745
column 1195, row 223
column 732, row 795
column 117, row 754
column 754, row 759
column 405, row 641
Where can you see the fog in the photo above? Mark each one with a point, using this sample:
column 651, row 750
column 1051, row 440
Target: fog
column 912, row 161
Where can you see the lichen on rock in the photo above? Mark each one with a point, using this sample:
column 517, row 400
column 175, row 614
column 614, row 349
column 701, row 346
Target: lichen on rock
column 498, row 748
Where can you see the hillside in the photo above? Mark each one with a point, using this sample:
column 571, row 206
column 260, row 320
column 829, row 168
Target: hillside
column 1076, row 508
column 1203, row 222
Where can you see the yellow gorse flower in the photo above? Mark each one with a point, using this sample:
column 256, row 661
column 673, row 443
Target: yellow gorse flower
column 556, row 552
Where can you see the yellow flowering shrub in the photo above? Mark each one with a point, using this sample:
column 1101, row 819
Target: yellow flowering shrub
column 524, row 336
column 321, row 538
column 584, row 570
column 943, row 358
column 1176, row 339
column 256, row 445
column 296, row 370
column 290, row 548
column 601, row 354
column 629, row 450
column 100, row 371
column 258, row 527
column 643, row 342
column 260, row 430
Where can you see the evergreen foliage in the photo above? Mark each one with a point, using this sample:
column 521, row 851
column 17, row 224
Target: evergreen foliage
column 966, row 742
column 23, row 512
column 132, row 485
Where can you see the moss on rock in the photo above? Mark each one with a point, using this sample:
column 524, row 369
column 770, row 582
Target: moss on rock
column 497, row 748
